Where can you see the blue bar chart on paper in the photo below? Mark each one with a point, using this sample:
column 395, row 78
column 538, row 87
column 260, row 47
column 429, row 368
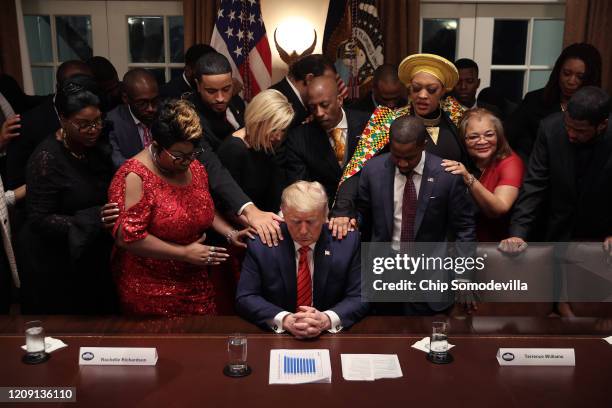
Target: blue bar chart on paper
column 299, row 366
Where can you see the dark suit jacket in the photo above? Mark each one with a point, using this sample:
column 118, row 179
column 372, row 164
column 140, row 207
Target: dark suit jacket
column 522, row 125
column 175, row 88
column 444, row 209
column 20, row 102
column 124, row 136
column 573, row 210
column 301, row 113
column 310, row 156
column 268, row 279
column 36, row 124
column 348, row 191
column 365, row 104
column 444, row 204
column 215, row 127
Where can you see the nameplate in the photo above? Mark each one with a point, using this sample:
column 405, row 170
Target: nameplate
column 536, row 357
column 118, row 356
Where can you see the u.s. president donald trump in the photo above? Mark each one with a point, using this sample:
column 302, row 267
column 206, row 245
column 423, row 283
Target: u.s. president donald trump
column 308, row 284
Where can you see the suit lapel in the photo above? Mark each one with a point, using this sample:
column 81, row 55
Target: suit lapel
column 323, row 148
column 287, row 268
column 601, row 155
column 353, row 133
column 322, row 263
column 388, row 188
column 427, row 183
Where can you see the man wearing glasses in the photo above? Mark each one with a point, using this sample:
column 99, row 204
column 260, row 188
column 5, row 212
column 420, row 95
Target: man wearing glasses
column 132, row 120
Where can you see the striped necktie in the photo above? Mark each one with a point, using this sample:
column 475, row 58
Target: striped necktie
column 304, row 280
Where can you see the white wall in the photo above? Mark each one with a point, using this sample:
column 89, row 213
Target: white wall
column 276, row 11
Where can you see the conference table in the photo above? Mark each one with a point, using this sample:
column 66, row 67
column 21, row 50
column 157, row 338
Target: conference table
column 192, row 353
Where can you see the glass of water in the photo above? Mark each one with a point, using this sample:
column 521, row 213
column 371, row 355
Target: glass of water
column 438, row 343
column 237, row 356
column 35, row 343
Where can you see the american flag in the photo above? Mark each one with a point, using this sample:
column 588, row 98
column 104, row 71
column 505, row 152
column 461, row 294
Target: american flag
column 240, row 35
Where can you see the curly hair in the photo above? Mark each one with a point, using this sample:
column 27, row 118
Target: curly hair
column 177, row 121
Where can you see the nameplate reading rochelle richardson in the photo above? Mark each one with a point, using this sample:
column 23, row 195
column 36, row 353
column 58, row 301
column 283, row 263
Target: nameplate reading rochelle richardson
column 139, row 356
column 536, row 357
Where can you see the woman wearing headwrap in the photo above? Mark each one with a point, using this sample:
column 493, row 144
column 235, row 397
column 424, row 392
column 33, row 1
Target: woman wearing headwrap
column 428, row 77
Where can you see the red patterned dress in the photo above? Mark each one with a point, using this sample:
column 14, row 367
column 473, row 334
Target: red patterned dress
column 175, row 214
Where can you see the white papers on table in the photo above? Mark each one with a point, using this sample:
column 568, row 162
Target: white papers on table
column 423, row 345
column 370, row 367
column 608, row 339
column 299, row 366
column 51, row 344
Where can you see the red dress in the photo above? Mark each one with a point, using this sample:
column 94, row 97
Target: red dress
column 506, row 172
column 176, row 214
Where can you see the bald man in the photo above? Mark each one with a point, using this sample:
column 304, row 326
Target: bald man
column 132, row 120
column 318, row 151
column 387, row 90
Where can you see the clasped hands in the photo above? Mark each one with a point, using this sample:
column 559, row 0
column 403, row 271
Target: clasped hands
column 306, row 323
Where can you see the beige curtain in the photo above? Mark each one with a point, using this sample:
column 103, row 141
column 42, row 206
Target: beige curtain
column 199, row 20
column 10, row 58
column 591, row 21
column 399, row 20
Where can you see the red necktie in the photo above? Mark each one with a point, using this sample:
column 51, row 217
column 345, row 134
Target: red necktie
column 304, row 281
column 409, row 205
column 146, row 135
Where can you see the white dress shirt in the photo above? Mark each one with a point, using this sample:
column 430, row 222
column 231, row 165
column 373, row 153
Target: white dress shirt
column 277, row 323
column 6, row 107
column 295, row 91
column 137, row 122
column 398, row 194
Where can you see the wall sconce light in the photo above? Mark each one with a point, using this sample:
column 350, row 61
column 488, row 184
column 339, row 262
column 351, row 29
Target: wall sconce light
column 294, row 33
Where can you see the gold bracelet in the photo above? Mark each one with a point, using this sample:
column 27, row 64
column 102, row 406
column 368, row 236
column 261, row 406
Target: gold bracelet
column 471, row 181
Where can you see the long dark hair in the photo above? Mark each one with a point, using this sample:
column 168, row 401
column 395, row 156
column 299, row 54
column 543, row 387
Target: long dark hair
column 592, row 74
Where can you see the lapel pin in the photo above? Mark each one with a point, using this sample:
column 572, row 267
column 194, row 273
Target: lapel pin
column 327, row 253
column 430, row 179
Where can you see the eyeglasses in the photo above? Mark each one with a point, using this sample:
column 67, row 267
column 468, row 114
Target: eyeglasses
column 85, row 126
column 473, row 139
column 142, row 104
column 185, row 157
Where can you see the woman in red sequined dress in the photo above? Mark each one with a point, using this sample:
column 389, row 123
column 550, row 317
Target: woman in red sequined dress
column 160, row 262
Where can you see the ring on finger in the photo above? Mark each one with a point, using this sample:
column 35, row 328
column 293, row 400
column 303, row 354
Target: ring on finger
column 103, row 219
column 208, row 260
column 212, row 249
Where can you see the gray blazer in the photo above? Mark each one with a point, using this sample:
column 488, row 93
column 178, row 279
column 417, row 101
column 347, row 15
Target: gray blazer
column 124, row 137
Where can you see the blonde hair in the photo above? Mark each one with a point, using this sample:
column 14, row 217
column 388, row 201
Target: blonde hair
column 305, row 196
column 503, row 148
column 267, row 112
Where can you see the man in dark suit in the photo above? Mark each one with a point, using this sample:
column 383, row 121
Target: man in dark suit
column 185, row 83
column 406, row 196
column 132, row 120
column 570, row 171
column 319, row 150
column 309, row 283
column 567, row 189
column 387, row 90
column 294, row 86
column 37, row 124
column 221, row 112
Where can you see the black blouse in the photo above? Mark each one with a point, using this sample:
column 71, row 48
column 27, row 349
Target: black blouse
column 257, row 173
